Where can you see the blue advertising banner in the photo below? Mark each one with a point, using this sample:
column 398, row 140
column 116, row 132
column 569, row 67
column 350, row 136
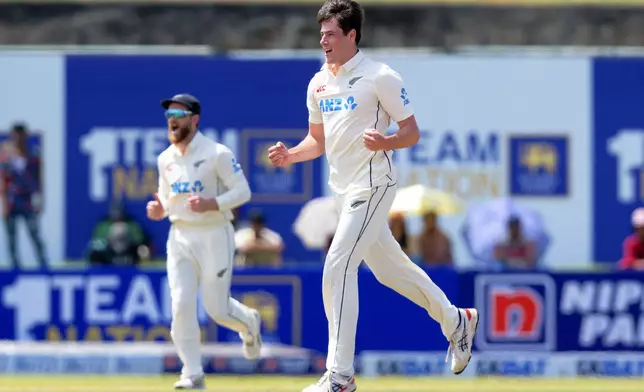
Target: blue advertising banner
column 134, row 305
column 618, row 164
column 116, row 129
column 557, row 312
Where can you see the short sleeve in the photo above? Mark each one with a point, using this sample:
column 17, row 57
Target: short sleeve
column 392, row 94
column 315, row 114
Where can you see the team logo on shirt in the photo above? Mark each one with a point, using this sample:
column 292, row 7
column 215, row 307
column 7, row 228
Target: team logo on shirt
column 338, row 104
column 183, row 187
column 354, row 80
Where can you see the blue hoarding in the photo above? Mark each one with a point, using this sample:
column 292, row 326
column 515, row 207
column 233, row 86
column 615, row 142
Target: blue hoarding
column 618, row 164
column 116, row 129
column 557, row 312
column 134, row 305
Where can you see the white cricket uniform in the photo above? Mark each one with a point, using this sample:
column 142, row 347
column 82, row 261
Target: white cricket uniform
column 201, row 245
column 364, row 95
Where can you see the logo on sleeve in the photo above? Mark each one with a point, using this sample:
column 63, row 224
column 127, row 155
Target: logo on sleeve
column 236, row 166
column 404, row 97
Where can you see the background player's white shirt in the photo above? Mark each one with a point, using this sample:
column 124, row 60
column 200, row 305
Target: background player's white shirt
column 365, row 94
column 207, row 169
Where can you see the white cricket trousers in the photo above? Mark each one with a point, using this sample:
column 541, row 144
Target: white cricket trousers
column 363, row 234
column 201, row 256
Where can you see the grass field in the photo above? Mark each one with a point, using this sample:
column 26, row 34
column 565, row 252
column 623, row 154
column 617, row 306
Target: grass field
column 295, row 384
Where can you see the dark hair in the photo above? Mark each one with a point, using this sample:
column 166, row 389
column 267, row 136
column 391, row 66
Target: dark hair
column 19, row 128
column 347, row 13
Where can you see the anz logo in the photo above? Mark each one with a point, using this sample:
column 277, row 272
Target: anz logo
column 338, row 104
column 186, row 187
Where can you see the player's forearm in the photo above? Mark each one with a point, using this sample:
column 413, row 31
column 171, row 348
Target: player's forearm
column 233, row 198
column 406, row 136
column 308, row 149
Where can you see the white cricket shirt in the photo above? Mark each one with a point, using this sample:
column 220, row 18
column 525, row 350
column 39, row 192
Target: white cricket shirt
column 365, row 94
column 206, row 169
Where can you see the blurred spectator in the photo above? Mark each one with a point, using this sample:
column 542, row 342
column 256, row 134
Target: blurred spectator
column 118, row 237
column 257, row 245
column 516, row 251
column 22, row 198
column 435, row 245
column 633, row 248
column 116, row 215
column 117, row 248
column 399, row 230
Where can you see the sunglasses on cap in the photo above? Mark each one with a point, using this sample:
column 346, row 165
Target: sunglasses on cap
column 177, row 113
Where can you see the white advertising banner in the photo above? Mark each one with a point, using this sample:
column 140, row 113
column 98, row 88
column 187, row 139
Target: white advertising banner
column 32, row 92
column 503, row 127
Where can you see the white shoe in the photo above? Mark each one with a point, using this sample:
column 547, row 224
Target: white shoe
column 253, row 341
column 191, row 382
column 328, row 384
column 460, row 344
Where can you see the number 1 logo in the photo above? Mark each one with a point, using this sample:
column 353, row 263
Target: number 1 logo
column 628, row 148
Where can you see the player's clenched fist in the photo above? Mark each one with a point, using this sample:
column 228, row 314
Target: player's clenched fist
column 279, row 155
column 374, row 140
column 198, row 204
column 155, row 209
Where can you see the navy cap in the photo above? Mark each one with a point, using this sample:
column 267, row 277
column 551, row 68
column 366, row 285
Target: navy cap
column 186, row 100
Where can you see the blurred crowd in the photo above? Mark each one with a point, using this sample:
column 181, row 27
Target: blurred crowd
column 285, row 27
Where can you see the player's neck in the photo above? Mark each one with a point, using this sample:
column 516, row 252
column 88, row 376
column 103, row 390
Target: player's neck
column 335, row 67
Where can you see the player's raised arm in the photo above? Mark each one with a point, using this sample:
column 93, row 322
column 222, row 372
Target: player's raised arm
column 395, row 101
column 312, row 146
column 230, row 172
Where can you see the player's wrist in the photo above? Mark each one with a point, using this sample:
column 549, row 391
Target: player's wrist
column 212, row 205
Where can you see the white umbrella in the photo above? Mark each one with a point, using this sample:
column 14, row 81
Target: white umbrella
column 316, row 222
column 419, row 199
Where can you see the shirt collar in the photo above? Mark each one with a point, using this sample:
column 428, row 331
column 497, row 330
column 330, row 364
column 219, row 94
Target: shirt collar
column 192, row 146
column 351, row 64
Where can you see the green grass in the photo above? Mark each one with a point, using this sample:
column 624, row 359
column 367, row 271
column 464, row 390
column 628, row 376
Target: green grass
column 252, row 383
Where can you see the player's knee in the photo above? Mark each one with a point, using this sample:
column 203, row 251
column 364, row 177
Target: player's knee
column 216, row 309
column 385, row 278
column 335, row 268
column 183, row 307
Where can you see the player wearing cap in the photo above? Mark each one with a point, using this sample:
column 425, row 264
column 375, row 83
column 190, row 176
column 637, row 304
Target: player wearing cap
column 200, row 182
column 351, row 102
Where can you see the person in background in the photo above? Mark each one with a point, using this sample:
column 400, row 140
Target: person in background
column 399, row 230
column 117, row 248
column 22, row 198
column 435, row 245
column 516, row 252
column 257, row 245
column 117, row 214
column 117, row 239
column 633, row 247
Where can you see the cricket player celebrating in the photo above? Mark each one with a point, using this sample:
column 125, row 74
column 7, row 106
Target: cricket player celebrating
column 351, row 102
column 200, row 182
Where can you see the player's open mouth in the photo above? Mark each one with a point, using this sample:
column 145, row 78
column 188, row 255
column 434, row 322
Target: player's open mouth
column 328, row 51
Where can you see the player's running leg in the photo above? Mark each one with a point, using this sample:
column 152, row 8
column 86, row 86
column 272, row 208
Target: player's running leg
column 216, row 253
column 183, row 280
column 363, row 213
column 393, row 268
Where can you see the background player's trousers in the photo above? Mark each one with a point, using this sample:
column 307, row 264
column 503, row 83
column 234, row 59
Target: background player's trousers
column 201, row 256
column 363, row 234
